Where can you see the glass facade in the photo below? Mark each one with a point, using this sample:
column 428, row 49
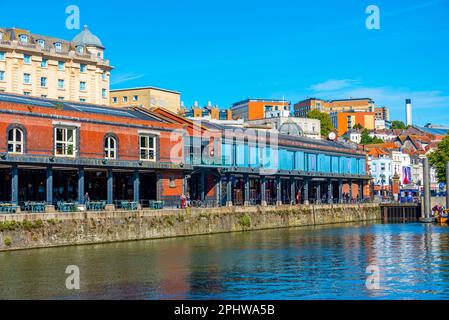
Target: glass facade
column 245, row 155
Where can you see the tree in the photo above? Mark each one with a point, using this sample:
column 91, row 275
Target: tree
column 396, row 124
column 326, row 123
column 439, row 158
column 367, row 139
column 357, row 126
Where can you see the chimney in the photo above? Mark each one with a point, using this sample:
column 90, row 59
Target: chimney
column 195, row 105
column 408, row 112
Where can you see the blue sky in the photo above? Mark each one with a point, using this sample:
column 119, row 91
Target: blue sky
column 225, row 51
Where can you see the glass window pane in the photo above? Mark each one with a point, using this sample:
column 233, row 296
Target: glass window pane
column 18, row 135
column 10, row 147
column 59, row 134
column 143, row 142
column 70, row 134
column 151, row 142
column 11, row 135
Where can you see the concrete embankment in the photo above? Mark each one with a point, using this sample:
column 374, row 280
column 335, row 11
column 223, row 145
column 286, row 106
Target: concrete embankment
column 28, row 231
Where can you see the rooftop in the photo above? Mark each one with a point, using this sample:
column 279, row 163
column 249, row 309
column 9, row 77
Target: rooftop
column 145, row 88
column 77, row 107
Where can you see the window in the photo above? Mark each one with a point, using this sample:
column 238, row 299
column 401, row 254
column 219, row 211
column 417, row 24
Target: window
column 26, row 78
column 125, row 99
column 103, row 93
column 82, row 99
column 110, row 148
column 2, row 75
column 2, row 56
column 41, row 43
column 23, row 38
column 26, row 59
column 15, row 141
column 44, row 63
column 43, row 96
column 61, row 66
column 80, row 49
column 82, row 68
column 114, row 100
column 61, row 83
column 65, row 139
column 147, row 148
column 43, row 82
column 103, row 76
column 60, row 98
column 82, row 86
column 136, row 98
column 58, row 46
column 26, row 93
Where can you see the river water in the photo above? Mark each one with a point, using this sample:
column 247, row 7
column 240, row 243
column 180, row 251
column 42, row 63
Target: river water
column 300, row 263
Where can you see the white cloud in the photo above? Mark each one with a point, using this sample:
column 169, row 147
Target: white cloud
column 333, row 84
column 125, row 77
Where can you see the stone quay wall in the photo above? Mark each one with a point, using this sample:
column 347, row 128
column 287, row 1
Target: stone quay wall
column 30, row 231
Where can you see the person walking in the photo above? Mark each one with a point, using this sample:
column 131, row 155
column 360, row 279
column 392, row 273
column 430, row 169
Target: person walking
column 86, row 199
column 183, row 201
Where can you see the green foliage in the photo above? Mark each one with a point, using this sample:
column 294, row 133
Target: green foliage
column 326, row 123
column 7, row 241
column 357, row 126
column 396, row 124
column 27, row 225
column 9, row 226
column 439, row 158
column 245, row 221
column 367, row 139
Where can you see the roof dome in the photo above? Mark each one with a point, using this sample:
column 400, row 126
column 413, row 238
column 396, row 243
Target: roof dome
column 86, row 38
column 290, row 128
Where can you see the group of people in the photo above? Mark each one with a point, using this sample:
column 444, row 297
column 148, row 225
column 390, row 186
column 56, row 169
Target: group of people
column 185, row 201
column 439, row 211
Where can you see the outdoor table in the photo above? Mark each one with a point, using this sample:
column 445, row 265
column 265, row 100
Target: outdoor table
column 8, row 208
column 37, row 207
column 67, row 207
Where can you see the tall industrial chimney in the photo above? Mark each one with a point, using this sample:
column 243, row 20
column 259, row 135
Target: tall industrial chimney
column 408, row 112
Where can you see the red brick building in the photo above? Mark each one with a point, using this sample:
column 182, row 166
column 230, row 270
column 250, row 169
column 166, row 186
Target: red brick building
column 58, row 151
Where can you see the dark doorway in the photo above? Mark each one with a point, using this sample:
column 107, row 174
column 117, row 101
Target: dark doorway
column 32, row 185
column 65, row 185
column 95, row 183
column 148, row 186
column 5, row 185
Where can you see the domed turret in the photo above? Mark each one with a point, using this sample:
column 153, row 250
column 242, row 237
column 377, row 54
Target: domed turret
column 86, row 38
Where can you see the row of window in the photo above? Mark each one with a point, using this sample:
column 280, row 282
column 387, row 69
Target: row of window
column 44, row 83
column 65, row 144
column 125, row 99
column 44, row 63
column 24, row 38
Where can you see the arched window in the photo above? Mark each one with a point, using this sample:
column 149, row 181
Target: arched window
column 80, row 49
column 15, row 141
column 110, row 147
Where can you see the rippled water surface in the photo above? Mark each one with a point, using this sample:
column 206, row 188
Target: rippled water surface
column 303, row 263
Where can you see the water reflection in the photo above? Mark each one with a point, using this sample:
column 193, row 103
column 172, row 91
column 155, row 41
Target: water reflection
column 305, row 263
